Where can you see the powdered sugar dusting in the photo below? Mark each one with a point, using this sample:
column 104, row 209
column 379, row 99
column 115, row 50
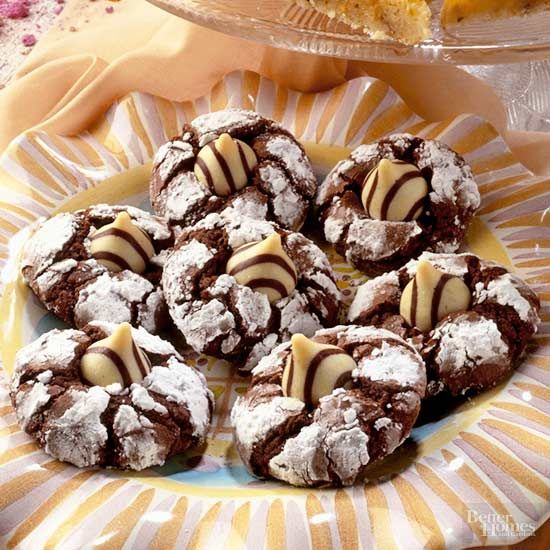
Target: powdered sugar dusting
column 192, row 255
column 465, row 343
column 374, row 241
column 154, row 226
column 450, row 181
column 453, row 264
column 201, row 323
column 391, row 362
column 136, row 436
column 291, row 156
column 211, row 125
column 56, row 347
column 112, row 298
column 29, row 402
column 295, row 317
column 51, row 237
column 503, row 290
column 253, row 424
column 185, row 386
column 83, row 421
column 142, row 398
column 183, row 194
column 371, row 292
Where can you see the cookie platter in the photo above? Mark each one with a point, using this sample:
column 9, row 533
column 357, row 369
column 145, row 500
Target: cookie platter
column 473, row 453
column 293, row 25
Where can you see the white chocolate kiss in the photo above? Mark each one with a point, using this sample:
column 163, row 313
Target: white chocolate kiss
column 432, row 295
column 394, row 191
column 314, row 370
column 225, row 165
column 116, row 359
column 122, row 245
column 265, row 267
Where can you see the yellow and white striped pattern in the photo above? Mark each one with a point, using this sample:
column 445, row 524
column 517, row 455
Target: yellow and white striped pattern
column 495, row 453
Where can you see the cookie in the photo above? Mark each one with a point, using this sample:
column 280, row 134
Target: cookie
column 132, row 426
column 102, row 263
column 236, row 287
column 469, row 347
column 354, row 421
column 395, row 198
column 221, row 155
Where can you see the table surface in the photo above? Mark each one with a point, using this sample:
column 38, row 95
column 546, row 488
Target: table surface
column 521, row 86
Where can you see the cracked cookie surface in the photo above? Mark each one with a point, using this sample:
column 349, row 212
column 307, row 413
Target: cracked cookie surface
column 220, row 317
column 282, row 178
column 59, row 267
column 470, row 350
column 332, row 443
column 130, row 428
column 376, row 246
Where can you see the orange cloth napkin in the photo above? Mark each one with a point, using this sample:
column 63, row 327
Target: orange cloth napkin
column 91, row 58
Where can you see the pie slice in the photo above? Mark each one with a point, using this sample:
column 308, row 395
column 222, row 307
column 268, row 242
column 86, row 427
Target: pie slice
column 456, row 11
column 406, row 21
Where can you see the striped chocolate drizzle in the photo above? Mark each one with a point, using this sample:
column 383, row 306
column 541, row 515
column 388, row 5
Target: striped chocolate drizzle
column 436, row 299
column 141, row 360
column 112, row 256
column 373, row 180
column 263, row 259
column 314, row 366
column 431, row 295
column 229, row 178
column 394, row 189
column 264, row 266
column 314, row 370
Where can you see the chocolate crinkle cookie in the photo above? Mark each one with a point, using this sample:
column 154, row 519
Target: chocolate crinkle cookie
column 395, row 198
column 470, row 319
column 220, row 156
column 102, row 263
column 319, row 411
column 109, row 396
column 236, row 287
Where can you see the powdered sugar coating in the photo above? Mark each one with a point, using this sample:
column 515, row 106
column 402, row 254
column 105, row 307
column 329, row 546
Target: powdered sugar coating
column 142, row 398
column 393, row 363
column 166, row 413
column 466, row 344
column 331, row 444
column 505, row 290
column 453, row 264
column 375, row 241
column 232, row 321
column 57, row 346
column 185, row 386
column 471, row 349
column 47, row 242
column 282, row 178
column 378, row 246
column 28, row 403
column 136, row 436
column 154, row 226
column 371, row 292
column 59, row 267
column 115, row 298
column 253, row 423
column 78, row 436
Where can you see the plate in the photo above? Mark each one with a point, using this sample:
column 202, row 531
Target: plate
column 443, row 488
column 285, row 24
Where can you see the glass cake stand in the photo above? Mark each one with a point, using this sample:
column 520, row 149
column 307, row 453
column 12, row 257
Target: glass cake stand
column 286, row 24
column 482, row 48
